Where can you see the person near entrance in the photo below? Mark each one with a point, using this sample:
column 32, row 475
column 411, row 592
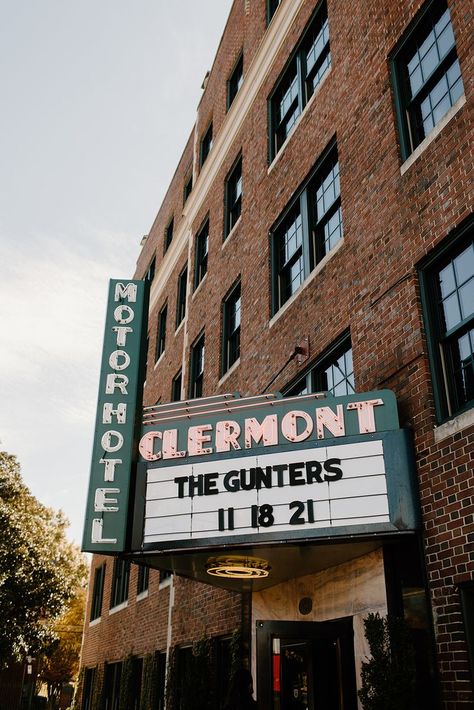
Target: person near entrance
column 240, row 695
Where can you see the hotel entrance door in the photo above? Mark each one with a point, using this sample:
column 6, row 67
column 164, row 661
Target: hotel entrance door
column 306, row 665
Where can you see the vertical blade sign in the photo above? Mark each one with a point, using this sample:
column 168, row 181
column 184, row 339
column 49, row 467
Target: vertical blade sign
column 120, row 395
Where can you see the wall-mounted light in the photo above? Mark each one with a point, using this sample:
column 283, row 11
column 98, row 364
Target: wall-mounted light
column 237, row 567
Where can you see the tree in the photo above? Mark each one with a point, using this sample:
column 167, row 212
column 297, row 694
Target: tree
column 61, row 663
column 388, row 677
column 40, row 571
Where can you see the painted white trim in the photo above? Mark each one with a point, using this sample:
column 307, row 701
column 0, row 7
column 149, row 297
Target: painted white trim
column 159, row 360
column 94, row 622
column 453, row 426
column 433, row 134
column 142, row 595
column 198, row 287
column 167, row 583
column 232, row 231
column 254, row 77
column 227, row 374
column 118, row 607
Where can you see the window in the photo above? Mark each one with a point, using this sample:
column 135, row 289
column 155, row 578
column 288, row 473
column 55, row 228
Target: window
column 206, row 145
column 197, row 368
column 272, row 7
column 161, row 333
column 233, row 197
column 181, row 295
column 426, row 75
column 164, row 575
column 97, row 592
column 202, row 248
column 88, row 688
column 176, row 387
column 333, row 372
column 142, row 578
column 113, row 676
column 169, row 234
column 235, row 81
column 307, row 67
column 188, row 186
column 231, row 329
column 447, row 280
column 308, row 230
column 150, row 272
column 120, row 579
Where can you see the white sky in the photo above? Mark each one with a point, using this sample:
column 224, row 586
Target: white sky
column 97, row 99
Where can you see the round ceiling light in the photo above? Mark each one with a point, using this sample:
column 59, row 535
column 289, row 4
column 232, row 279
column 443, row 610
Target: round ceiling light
column 238, row 567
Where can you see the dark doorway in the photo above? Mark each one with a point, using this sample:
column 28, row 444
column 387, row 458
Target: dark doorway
column 306, row 665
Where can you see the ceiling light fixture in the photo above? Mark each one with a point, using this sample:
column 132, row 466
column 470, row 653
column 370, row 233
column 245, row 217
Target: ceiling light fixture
column 236, row 567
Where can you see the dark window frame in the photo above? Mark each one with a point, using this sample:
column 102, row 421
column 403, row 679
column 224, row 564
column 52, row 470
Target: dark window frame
column 112, row 685
column 298, row 81
column 150, row 272
column 231, row 328
column 233, row 196
column 181, row 296
column 441, row 341
column 168, row 236
column 272, row 7
column 196, row 368
column 299, row 238
column 161, row 332
column 98, row 592
column 235, row 80
column 176, row 386
column 408, row 108
column 120, row 582
column 205, row 145
column 188, row 187
column 314, row 378
column 143, row 578
column 201, row 252
column 88, row 688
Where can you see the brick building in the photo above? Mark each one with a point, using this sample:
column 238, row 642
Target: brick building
column 317, row 236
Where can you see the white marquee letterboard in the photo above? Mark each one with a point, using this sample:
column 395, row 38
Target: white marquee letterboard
column 300, row 490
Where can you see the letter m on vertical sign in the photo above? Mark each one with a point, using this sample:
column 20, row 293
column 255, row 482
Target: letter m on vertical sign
column 119, row 404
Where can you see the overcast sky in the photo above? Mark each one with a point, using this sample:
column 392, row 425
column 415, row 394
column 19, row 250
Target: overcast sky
column 98, row 98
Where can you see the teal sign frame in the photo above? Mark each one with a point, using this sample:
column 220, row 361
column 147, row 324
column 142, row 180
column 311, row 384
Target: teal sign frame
column 112, row 476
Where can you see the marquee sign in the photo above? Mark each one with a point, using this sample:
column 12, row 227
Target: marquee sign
column 114, row 448
column 226, row 470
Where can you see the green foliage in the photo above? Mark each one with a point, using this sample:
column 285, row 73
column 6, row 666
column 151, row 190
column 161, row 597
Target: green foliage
column 40, row 571
column 61, row 663
column 191, row 686
column 388, row 677
column 147, row 698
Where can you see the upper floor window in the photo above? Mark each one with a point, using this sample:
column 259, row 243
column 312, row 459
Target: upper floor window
column 188, row 186
column 427, row 76
column 308, row 65
column 308, row 230
column 272, row 7
column 447, row 280
column 333, row 372
column 206, row 145
column 161, row 333
column 150, row 272
column 235, row 81
column 197, row 368
column 202, row 248
column 120, row 578
column 143, row 578
column 233, row 197
column 181, row 296
column 97, row 592
column 231, row 329
column 176, row 387
column 169, row 234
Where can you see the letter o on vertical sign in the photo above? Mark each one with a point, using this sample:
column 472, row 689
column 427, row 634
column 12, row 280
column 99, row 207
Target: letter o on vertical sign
column 107, row 444
column 119, row 315
column 114, row 360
